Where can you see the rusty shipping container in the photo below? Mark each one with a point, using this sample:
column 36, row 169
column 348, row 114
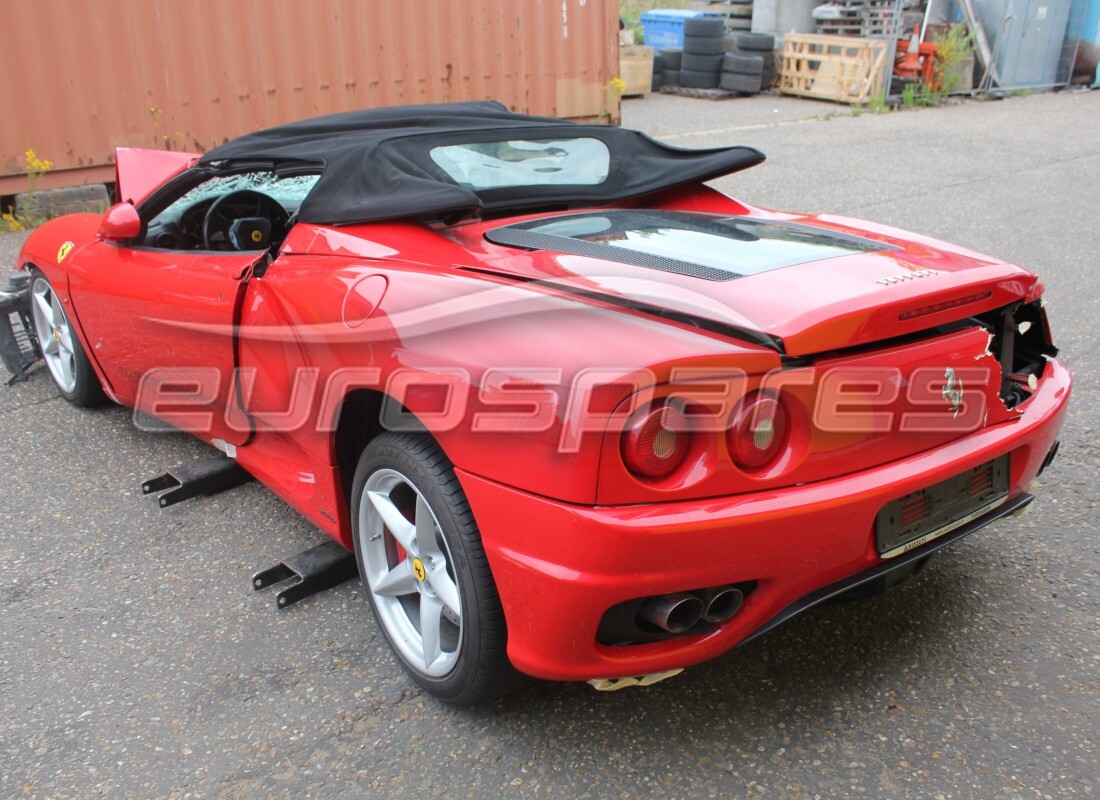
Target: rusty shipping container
column 86, row 77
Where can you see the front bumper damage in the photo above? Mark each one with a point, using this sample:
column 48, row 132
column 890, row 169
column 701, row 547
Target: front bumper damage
column 18, row 345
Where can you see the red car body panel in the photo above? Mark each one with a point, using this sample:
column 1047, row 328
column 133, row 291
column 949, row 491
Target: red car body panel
column 565, row 565
column 849, row 305
column 139, row 171
column 436, row 324
column 897, row 425
column 136, row 319
column 460, row 330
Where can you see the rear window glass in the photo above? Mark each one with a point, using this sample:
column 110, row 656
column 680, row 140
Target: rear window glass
column 482, row 166
column 707, row 246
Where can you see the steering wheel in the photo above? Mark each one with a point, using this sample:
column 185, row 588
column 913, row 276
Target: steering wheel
column 243, row 220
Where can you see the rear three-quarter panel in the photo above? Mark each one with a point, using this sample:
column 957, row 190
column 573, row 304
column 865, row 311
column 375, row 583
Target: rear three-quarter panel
column 516, row 384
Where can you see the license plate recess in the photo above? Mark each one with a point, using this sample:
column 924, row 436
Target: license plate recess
column 927, row 513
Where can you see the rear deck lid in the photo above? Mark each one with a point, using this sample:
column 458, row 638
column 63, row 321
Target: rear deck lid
column 811, row 284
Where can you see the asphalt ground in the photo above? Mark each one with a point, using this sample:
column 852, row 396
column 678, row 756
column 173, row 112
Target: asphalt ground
column 136, row 661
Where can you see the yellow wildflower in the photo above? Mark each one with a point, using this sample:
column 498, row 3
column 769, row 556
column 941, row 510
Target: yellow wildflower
column 10, row 224
column 36, row 164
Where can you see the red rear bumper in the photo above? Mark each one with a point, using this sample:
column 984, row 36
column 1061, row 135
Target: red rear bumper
column 559, row 567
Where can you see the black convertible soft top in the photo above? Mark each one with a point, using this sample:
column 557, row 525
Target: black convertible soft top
column 377, row 164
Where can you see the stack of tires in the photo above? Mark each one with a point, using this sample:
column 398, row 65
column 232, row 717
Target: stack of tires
column 658, row 73
column 748, row 66
column 671, row 59
column 701, row 62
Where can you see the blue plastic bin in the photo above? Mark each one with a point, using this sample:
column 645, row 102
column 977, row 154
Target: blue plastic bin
column 664, row 27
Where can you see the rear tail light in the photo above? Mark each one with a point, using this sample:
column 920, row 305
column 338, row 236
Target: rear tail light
column 758, row 431
column 656, row 442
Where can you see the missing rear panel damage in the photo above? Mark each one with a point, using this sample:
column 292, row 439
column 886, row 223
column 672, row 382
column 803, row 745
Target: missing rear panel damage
column 1020, row 341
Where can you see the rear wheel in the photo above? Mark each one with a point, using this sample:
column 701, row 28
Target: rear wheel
column 427, row 578
column 60, row 346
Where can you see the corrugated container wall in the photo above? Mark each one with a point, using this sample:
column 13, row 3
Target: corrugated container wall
column 86, row 77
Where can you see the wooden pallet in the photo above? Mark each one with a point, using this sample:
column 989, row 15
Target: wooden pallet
column 701, row 94
column 636, row 68
column 837, row 68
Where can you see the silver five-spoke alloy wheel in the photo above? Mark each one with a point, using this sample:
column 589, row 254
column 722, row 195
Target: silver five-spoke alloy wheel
column 55, row 336
column 410, row 573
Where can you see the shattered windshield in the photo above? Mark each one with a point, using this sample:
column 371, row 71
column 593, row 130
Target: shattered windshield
column 525, row 162
column 290, row 191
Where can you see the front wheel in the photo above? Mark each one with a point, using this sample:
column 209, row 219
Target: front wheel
column 422, row 562
column 61, row 349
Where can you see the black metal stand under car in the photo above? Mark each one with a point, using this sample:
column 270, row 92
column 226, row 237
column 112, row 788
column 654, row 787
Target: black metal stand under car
column 19, row 348
column 318, row 568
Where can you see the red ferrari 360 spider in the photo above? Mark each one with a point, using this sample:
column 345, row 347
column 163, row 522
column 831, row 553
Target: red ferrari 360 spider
column 579, row 416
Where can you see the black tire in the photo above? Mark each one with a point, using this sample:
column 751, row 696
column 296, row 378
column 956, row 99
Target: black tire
column 704, row 26
column 671, row 57
column 670, row 77
column 742, row 64
column 697, row 63
column 768, row 72
column 745, row 84
column 703, row 45
column 658, row 64
column 691, row 79
column 418, row 469
column 763, row 42
column 656, row 82
column 68, row 364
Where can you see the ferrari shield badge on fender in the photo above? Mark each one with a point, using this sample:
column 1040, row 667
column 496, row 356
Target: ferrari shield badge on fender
column 952, row 392
column 63, row 251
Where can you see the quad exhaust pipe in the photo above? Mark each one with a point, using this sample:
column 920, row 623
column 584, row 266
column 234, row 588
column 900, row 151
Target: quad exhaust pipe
column 674, row 613
column 722, row 603
column 680, row 611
